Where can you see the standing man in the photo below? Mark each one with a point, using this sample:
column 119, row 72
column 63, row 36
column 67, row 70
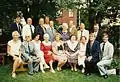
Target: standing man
column 17, row 26
column 97, row 32
column 28, row 28
column 82, row 32
column 51, row 31
column 47, row 21
column 40, row 29
column 72, row 28
column 107, row 51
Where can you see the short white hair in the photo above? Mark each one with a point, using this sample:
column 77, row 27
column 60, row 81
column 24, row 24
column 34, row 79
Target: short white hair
column 65, row 25
column 46, row 35
column 28, row 34
column 15, row 33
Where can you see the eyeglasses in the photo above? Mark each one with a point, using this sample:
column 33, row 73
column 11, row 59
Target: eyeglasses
column 27, row 36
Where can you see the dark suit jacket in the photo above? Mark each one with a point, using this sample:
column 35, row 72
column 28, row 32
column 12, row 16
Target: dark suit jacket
column 39, row 30
column 15, row 28
column 94, row 51
column 99, row 36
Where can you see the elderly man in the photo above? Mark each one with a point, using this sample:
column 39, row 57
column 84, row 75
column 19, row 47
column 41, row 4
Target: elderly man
column 82, row 32
column 28, row 28
column 51, row 31
column 30, row 54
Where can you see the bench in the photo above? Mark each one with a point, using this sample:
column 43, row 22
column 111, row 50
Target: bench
column 22, row 68
column 3, row 50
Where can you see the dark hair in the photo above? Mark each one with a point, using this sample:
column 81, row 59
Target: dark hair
column 34, row 35
column 73, row 35
column 83, row 37
column 17, row 16
column 105, row 34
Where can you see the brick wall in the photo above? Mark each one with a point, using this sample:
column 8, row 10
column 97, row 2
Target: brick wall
column 64, row 18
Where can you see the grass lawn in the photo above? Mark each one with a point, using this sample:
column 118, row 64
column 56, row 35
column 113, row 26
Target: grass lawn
column 64, row 76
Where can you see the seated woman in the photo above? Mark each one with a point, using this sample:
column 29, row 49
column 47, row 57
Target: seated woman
column 71, row 49
column 37, row 43
column 46, row 47
column 14, row 50
column 82, row 51
column 58, row 50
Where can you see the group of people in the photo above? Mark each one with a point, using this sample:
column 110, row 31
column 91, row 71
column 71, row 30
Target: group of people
column 42, row 45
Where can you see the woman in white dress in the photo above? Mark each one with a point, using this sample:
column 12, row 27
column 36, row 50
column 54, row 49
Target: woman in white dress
column 14, row 50
column 37, row 44
column 82, row 51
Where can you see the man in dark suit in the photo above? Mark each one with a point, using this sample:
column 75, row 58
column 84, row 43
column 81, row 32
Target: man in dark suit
column 40, row 29
column 97, row 33
column 16, row 26
column 92, row 54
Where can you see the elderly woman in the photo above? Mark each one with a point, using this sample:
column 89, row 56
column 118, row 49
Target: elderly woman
column 46, row 47
column 82, row 51
column 72, row 48
column 14, row 50
column 58, row 50
column 37, row 43
column 64, row 32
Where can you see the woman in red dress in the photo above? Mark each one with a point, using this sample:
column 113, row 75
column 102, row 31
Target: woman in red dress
column 46, row 47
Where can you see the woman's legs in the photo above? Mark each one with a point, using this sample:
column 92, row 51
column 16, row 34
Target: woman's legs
column 62, row 63
column 15, row 65
column 74, row 66
column 51, row 66
column 41, row 67
column 43, row 60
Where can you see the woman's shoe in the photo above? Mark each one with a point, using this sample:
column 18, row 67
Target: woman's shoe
column 13, row 75
column 46, row 67
column 83, row 70
column 72, row 69
column 75, row 69
column 52, row 71
column 43, row 71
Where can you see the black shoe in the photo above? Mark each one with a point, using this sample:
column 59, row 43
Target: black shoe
column 30, row 73
column 105, row 76
column 35, row 72
column 117, row 71
column 87, row 74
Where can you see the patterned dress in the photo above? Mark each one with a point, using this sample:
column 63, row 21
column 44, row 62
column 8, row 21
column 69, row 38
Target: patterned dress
column 59, row 54
column 72, row 48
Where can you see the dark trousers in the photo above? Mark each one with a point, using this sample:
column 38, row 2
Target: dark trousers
column 90, row 66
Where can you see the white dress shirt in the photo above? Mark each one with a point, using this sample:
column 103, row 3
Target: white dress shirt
column 84, row 33
column 26, row 30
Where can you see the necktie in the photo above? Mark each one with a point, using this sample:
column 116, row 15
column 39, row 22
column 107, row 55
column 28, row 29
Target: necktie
column 31, row 30
column 81, row 34
column 91, row 44
column 52, row 31
column 19, row 29
column 103, row 48
column 28, row 49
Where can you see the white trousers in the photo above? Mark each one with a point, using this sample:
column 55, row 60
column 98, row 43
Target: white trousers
column 42, row 62
column 102, row 66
